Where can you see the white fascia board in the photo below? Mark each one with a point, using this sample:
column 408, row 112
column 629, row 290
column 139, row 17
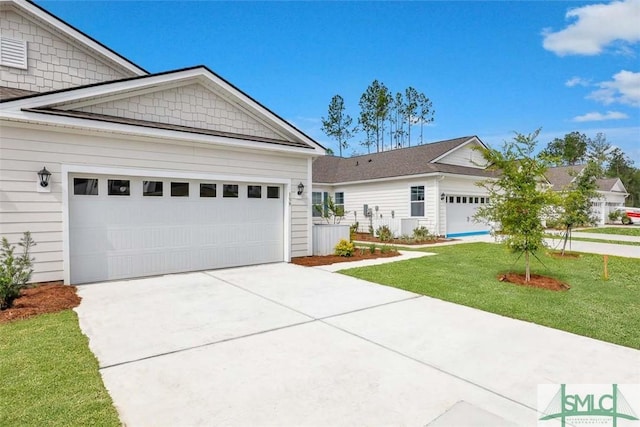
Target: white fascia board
column 32, row 118
column 470, row 140
column 76, row 35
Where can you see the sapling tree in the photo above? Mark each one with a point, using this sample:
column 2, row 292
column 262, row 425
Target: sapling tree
column 575, row 200
column 15, row 269
column 519, row 198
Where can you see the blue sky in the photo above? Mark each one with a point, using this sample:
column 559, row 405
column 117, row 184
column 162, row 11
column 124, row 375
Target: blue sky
column 489, row 67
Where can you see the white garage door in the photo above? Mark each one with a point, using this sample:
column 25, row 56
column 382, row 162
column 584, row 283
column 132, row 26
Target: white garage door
column 123, row 227
column 460, row 212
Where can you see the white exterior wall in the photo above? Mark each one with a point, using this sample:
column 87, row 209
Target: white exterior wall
column 464, row 156
column 192, row 105
column 388, row 196
column 24, row 151
column 54, row 60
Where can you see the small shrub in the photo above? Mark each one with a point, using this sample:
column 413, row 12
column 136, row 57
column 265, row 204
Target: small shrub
column 344, row 248
column 353, row 229
column 614, row 216
column 625, row 219
column 385, row 249
column 15, row 270
column 384, row 233
column 372, row 248
column 405, row 238
column 371, row 230
column 422, row 233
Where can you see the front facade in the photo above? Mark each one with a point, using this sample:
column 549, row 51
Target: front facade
column 151, row 174
column 432, row 185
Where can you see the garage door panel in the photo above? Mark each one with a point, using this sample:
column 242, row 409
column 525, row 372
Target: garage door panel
column 116, row 237
column 460, row 215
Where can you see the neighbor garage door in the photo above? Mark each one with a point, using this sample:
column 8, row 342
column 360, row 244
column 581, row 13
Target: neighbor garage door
column 122, row 227
column 460, row 212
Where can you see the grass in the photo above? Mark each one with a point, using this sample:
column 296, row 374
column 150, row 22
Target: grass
column 607, row 310
column 626, row 231
column 49, row 377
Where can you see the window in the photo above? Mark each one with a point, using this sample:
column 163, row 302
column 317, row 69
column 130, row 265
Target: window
column 254, row 191
column 207, row 190
column 482, row 200
column 417, row 200
column 476, row 199
column 451, row 199
column 118, row 187
column 85, row 186
column 464, row 199
column 458, row 198
column 273, row 192
column 230, row 190
column 339, row 203
column 152, row 188
column 316, row 203
column 179, row 189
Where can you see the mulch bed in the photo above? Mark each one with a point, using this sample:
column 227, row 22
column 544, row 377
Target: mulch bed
column 48, row 298
column 314, row 261
column 366, row 237
column 536, row 281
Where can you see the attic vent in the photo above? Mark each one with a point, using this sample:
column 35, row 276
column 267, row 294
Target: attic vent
column 13, row 53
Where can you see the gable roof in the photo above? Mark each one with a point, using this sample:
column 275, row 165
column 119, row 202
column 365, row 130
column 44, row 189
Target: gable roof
column 65, row 103
column 417, row 160
column 29, row 7
column 561, row 176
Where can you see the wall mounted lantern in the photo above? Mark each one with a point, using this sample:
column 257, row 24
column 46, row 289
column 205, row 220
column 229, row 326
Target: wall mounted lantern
column 300, row 189
column 442, row 196
column 43, row 177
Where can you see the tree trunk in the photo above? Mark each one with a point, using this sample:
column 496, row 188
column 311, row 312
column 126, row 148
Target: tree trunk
column 566, row 237
column 527, row 274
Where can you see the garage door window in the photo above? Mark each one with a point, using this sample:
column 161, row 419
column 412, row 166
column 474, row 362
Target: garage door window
column 179, row 189
column 230, row 190
column 417, row 200
column 254, row 191
column 85, row 186
column 152, row 188
column 207, row 190
column 273, row 192
column 119, row 187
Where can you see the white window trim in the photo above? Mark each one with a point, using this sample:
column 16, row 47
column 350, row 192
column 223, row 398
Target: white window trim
column 424, row 215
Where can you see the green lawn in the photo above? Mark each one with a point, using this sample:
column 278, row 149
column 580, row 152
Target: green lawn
column 49, row 377
column 630, row 230
column 466, row 274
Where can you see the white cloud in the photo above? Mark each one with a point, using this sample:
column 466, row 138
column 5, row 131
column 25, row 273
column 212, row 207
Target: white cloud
column 577, row 81
column 596, row 26
column 623, row 89
column 598, row 117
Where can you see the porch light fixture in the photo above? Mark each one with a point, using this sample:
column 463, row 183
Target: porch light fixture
column 300, row 189
column 43, row 177
column 442, row 196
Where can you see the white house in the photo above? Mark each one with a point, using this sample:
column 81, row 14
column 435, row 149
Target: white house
column 432, row 185
column 611, row 191
column 150, row 173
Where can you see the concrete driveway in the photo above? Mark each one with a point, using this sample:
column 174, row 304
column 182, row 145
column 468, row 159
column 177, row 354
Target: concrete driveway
column 281, row 344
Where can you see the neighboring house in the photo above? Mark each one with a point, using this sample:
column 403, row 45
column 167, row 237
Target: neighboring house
column 151, row 173
column 612, row 193
column 431, row 185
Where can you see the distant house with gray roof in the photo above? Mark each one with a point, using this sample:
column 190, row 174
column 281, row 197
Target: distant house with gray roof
column 432, row 185
column 612, row 193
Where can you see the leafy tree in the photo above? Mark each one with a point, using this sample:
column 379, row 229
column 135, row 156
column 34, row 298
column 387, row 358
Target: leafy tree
column 412, row 98
column 567, row 151
column 374, row 109
column 425, row 112
column 338, row 123
column 621, row 166
column 518, row 201
column 575, row 200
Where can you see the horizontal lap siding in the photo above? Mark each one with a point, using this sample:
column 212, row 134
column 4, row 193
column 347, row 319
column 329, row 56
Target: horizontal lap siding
column 24, row 151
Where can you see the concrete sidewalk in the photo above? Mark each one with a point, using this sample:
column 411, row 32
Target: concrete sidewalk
column 599, row 236
column 597, row 248
column 281, row 344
